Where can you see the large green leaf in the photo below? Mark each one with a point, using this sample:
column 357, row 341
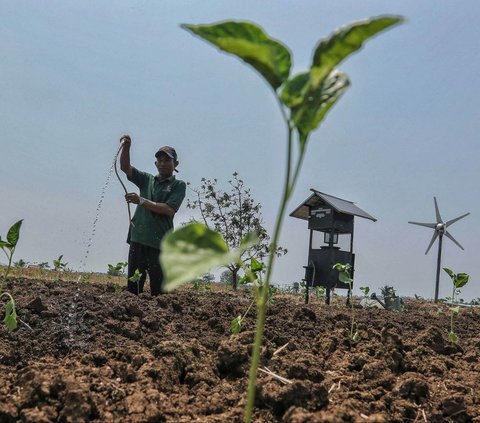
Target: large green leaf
column 461, row 280
column 14, row 233
column 345, row 41
column 250, row 43
column 194, row 250
column 317, row 102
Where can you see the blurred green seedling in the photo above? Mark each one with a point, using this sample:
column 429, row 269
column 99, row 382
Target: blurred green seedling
column 304, row 100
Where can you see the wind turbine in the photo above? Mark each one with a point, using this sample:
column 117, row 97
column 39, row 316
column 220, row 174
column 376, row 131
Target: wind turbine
column 440, row 229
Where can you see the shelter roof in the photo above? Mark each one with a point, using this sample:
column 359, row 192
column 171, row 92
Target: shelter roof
column 318, row 199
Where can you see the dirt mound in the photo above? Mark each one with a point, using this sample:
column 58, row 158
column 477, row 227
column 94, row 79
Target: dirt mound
column 110, row 357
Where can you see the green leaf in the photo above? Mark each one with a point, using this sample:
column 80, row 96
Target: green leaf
column 295, row 88
column 317, row 102
column 346, row 40
column 365, row 290
column 449, row 271
column 356, row 336
column 251, row 44
column 255, row 265
column 10, row 319
column 193, row 250
column 4, row 244
column 236, row 325
column 14, row 233
column 452, row 337
column 461, row 280
column 343, row 277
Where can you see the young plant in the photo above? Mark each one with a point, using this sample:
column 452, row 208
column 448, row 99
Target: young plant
column 236, row 324
column 304, row 101
column 8, row 246
column 135, row 278
column 10, row 320
column 118, row 269
column 203, row 283
column 365, row 290
column 344, row 276
column 320, row 292
column 86, row 278
column 458, row 280
column 253, row 275
column 59, row 265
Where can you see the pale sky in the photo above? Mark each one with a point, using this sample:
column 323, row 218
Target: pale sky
column 75, row 76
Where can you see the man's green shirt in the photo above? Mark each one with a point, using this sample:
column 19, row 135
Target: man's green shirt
column 148, row 228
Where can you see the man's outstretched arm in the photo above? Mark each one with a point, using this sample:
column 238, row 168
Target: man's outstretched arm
column 125, row 156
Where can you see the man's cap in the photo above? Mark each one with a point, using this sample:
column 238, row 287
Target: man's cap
column 169, row 151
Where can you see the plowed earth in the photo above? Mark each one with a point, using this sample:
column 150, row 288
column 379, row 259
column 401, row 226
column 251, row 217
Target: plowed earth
column 122, row 358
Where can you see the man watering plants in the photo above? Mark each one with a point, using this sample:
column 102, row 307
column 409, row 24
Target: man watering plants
column 159, row 199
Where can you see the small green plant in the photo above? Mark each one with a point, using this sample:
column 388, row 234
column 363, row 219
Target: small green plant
column 86, row 278
column 320, row 292
column 8, row 246
column 253, row 275
column 365, row 290
column 10, row 320
column 202, row 284
column 59, row 265
column 418, row 297
column 459, row 280
column 344, row 276
column 135, row 278
column 118, row 269
column 117, row 288
column 236, row 324
column 304, row 100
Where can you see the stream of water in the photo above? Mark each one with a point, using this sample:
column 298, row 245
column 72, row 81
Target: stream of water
column 72, row 319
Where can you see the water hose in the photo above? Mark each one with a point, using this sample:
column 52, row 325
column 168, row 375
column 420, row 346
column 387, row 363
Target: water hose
column 120, row 180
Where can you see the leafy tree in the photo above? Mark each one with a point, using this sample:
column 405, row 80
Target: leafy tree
column 233, row 214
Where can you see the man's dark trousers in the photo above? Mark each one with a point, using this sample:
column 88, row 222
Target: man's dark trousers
column 147, row 260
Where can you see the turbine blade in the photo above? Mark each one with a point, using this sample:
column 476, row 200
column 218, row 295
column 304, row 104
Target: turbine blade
column 456, row 219
column 428, row 225
column 437, row 212
column 454, row 240
column 434, row 237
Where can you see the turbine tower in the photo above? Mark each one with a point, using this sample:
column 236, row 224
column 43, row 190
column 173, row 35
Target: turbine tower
column 440, row 229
